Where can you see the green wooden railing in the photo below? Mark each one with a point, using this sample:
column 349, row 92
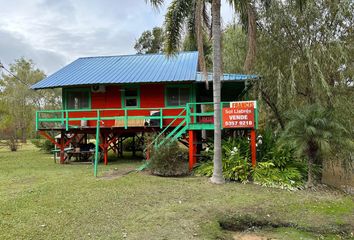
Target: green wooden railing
column 63, row 117
column 189, row 114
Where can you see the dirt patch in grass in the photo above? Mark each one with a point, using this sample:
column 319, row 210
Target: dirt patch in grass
column 243, row 227
column 117, row 173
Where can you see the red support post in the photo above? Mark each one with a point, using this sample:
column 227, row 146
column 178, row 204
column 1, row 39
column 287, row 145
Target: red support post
column 253, row 148
column 192, row 149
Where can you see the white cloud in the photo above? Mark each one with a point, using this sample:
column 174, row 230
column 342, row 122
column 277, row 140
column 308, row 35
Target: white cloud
column 55, row 32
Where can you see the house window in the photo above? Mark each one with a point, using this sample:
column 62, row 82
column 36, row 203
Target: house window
column 78, row 100
column 131, row 97
column 177, row 96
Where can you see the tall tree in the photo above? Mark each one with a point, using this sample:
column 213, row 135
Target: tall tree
column 248, row 16
column 150, row 41
column 179, row 13
column 217, row 72
column 19, row 102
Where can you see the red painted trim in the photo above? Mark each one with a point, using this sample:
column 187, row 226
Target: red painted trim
column 253, row 148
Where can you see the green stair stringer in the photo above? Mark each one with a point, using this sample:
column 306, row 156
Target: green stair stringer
column 174, row 134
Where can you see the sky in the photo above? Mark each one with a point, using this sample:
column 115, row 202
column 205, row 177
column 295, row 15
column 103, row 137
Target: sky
column 54, row 33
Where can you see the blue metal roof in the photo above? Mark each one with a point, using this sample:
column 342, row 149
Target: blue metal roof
column 227, row 77
column 124, row 69
column 147, row 68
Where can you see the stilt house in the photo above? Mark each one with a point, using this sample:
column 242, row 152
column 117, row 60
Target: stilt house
column 113, row 97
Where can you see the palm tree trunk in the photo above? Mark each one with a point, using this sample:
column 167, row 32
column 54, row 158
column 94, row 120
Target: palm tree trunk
column 216, row 30
column 309, row 183
column 252, row 37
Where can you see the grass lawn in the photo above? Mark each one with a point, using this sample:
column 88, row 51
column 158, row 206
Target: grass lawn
column 43, row 200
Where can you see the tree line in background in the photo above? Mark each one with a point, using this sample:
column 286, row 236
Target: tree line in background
column 18, row 102
column 303, row 52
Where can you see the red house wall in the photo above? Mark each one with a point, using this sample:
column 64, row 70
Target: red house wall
column 151, row 96
column 111, row 98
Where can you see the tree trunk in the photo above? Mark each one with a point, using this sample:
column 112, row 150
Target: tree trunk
column 309, row 183
column 274, row 108
column 200, row 42
column 23, row 135
column 251, row 39
column 216, row 30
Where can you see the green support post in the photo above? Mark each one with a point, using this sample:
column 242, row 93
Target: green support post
column 188, row 114
column 97, row 143
column 161, row 119
column 256, row 115
column 37, row 119
column 62, row 118
column 67, row 120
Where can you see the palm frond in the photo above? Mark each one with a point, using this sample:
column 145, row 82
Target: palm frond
column 177, row 13
column 241, row 6
column 155, row 3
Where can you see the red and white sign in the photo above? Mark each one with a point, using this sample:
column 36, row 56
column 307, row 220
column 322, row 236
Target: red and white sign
column 238, row 117
column 243, row 104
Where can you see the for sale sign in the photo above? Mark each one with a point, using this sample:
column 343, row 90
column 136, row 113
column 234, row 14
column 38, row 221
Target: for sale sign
column 238, row 117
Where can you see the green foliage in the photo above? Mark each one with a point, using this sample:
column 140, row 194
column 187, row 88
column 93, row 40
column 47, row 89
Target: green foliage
column 234, row 49
column 314, row 132
column 128, row 144
column 43, row 144
column 236, row 165
column 268, row 174
column 18, row 102
column 190, row 44
column 277, row 165
column 150, row 41
column 169, row 160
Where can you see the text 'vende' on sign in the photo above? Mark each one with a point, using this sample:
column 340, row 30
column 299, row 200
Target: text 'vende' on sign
column 238, row 117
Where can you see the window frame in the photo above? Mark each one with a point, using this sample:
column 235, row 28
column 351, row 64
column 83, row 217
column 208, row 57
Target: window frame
column 124, row 98
column 179, row 86
column 67, row 91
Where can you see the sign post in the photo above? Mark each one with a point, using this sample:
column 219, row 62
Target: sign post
column 243, row 115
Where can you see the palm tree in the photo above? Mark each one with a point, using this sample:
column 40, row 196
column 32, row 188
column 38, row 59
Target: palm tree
column 313, row 132
column 193, row 12
column 217, row 61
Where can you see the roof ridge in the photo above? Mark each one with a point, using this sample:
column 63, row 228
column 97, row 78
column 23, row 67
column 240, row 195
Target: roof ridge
column 136, row 54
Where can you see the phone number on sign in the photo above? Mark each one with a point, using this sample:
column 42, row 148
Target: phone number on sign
column 238, row 123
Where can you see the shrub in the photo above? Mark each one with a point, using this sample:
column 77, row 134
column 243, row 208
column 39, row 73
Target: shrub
column 169, row 160
column 267, row 174
column 43, row 144
column 236, row 164
column 277, row 166
column 128, row 144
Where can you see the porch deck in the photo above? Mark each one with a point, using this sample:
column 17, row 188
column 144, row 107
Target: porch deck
column 128, row 118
